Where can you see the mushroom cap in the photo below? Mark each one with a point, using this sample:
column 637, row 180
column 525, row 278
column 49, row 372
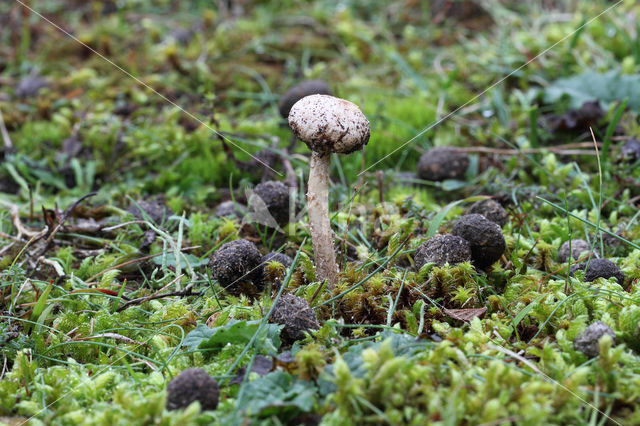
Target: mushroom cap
column 328, row 124
column 299, row 91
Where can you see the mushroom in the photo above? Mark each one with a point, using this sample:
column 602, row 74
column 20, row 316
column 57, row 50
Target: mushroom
column 326, row 124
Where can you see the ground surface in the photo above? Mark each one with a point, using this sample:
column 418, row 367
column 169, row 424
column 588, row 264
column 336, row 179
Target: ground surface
column 157, row 106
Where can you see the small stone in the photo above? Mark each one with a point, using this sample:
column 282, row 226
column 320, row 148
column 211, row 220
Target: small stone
column 631, row 150
column 295, row 314
column 441, row 249
column 578, row 248
column 599, row 268
column 193, row 384
column 485, row 238
column 490, row 209
column 236, row 266
column 30, row 86
column 587, row 342
column 439, row 164
column 231, row 209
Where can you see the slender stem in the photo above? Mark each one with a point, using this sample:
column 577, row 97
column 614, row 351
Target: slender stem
column 318, row 206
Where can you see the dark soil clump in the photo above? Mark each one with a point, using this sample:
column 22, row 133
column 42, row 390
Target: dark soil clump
column 295, row 314
column 441, row 249
column 439, row 164
column 485, row 238
column 236, row 266
column 599, row 268
column 193, row 385
column 587, row 341
column 490, row 209
column 299, row 91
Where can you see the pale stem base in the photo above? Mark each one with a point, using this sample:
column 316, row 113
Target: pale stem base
column 319, row 222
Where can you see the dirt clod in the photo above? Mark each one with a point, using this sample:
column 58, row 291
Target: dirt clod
column 193, row 384
column 587, row 341
column 441, row 249
column 275, row 196
column 236, row 266
column 485, row 238
column 576, row 247
column 295, row 314
column 599, row 268
column 299, row 91
column 230, row 209
column 490, row 209
column 439, row 164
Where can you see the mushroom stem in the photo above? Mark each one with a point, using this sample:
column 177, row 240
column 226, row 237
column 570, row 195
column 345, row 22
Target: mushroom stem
column 319, row 222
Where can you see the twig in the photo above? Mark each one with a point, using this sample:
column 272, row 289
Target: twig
column 561, row 150
column 62, row 220
column 115, row 336
column 5, row 134
column 129, row 262
column 182, row 293
column 290, row 180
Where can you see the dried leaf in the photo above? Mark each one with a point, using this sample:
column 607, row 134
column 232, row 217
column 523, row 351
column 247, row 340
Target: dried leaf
column 466, row 314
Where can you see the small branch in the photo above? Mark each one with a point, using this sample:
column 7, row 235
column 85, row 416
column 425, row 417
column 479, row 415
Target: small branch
column 568, row 149
column 129, row 262
column 182, row 293
column 115, row 336
column 62, row 220
column 8, row 145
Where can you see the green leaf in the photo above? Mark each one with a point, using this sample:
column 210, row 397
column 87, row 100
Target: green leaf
column 170, row 260
column 590, row 86
column 235, row 332
column 277, row 394
column 524, row 312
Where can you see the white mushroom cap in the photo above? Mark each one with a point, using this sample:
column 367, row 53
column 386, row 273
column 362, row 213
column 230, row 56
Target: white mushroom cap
column 329, row 124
